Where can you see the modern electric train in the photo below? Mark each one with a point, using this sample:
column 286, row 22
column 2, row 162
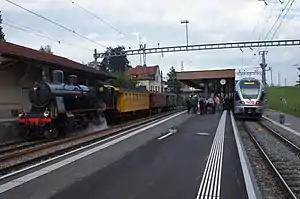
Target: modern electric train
column 249, row 99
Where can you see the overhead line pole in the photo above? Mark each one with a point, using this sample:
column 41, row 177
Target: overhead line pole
column 263, row 66
column 186, row 22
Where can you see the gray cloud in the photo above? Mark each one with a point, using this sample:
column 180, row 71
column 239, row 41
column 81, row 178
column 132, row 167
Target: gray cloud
column 159, row 21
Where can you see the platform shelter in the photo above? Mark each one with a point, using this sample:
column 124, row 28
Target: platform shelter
column 211, row 81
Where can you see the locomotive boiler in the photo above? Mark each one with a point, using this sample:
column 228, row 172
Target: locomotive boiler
column 58, row 106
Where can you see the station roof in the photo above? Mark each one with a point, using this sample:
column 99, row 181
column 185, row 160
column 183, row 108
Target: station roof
column 10, row 50
column 206, row 74
column 193, row 78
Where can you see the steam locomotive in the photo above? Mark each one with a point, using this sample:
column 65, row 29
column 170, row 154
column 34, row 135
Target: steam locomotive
column 58, row 106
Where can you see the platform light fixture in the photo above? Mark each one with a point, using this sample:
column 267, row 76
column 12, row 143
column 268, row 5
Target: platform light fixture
column 186, row 22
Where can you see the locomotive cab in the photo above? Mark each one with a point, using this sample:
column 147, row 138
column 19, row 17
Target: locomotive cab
column 109, row 96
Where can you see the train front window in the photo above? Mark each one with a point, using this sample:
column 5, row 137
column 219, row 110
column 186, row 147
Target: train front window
column 250, row 93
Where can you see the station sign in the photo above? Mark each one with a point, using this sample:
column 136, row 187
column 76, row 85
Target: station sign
column 222, row 81
column 249, row 73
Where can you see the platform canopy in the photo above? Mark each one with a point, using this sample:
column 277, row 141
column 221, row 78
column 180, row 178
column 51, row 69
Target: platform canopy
column 197, row 79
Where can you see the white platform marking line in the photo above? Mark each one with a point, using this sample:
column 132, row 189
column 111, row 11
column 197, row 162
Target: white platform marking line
column 164, row 136
column 202, row 133
column 207, row 185
column 282, row 126
column 208, row 181
column 221, row 163
column 246, row 173
column 21, row 180
column 217, row 170
column 221, row 130
column 206, row 170
column 212, row 173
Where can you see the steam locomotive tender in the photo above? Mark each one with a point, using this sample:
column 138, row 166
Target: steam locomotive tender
column 58, row 107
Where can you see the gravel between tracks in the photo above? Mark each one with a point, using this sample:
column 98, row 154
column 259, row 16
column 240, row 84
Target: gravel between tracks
column 288, row 135
column 266, row 181
column 285, row 159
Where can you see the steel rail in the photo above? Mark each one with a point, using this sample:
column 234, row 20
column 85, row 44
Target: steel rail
column 271, row 130
column 282, row 180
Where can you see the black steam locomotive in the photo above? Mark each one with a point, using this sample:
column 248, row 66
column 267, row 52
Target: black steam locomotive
column 58, row 106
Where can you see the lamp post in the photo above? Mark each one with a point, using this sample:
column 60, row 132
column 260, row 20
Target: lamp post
column 186, row 30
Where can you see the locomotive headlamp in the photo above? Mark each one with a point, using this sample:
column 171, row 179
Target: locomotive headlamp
column 21, row 114
column 46, row 114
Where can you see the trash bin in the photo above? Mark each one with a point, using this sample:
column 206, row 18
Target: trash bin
column 281, row 118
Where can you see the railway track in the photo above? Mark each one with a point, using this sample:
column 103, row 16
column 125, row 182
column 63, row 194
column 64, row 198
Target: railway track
column 280, row 153
column 17, row 159
column 18, row 145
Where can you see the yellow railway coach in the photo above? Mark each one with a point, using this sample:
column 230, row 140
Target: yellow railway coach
column 132, row 100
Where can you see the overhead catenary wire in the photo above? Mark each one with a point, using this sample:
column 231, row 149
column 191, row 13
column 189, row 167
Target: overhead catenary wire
column 55, row 23
column 280, row 23
column 97, row 17
column 41, row 34
column 25, row 30
column 103, row 21
column 272, row 27
column 260, row 35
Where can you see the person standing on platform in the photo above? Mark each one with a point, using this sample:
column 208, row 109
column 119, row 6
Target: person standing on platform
column 211, row 104
column 194, row 104
column 217, row 103
column 201, row 104
column 188, row 104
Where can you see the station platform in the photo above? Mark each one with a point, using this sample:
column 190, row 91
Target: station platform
column 292, row 123
column 198, row 158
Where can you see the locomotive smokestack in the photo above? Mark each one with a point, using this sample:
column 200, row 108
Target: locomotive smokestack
column 58, row 76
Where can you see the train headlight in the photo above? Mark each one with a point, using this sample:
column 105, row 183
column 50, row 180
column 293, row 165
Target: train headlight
column 46, row 114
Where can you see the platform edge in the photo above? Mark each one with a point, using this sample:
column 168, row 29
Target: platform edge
column 251, row 186
column 282, row 126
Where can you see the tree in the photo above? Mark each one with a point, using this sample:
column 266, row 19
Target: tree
column 2, row 35
column 173, row 84
column 46, row 49
column 115, row 64
column 124, row 81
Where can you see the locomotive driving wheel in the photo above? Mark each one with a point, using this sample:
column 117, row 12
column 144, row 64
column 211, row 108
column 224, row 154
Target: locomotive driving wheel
column 51, row 133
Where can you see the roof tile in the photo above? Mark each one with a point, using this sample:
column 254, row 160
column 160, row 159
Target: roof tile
column 143, row 72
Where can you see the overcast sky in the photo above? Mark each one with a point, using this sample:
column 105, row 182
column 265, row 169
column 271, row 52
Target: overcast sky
column 158, row 21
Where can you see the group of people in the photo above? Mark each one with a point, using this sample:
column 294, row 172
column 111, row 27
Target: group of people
column 215, row 103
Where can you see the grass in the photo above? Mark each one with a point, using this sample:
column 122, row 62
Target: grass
column 292, row 96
